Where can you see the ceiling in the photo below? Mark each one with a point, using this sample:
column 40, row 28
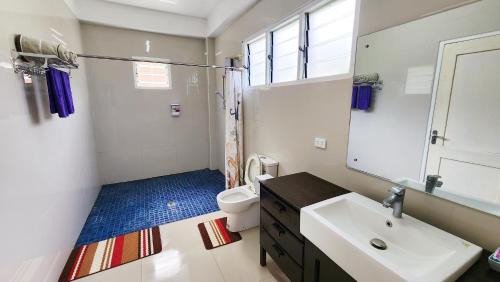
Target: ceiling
column 193, row 18
column 194, row 8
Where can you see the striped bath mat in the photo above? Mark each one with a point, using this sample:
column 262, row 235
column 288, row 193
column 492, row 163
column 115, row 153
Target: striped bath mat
column 106, row 254
column 215, row 234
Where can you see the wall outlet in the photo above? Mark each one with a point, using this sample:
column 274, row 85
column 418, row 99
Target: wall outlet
column 320, row 143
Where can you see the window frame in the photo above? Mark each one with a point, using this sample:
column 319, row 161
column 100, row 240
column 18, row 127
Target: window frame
column 169, row 76
column 303, row 15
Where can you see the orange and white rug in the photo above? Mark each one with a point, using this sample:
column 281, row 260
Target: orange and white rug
column 106, row 254
column 215, row 234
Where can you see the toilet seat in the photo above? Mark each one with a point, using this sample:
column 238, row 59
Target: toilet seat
column 237, row 199
column 252, row 168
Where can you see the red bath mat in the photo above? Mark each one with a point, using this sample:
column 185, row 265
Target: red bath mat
column 215, row 234
column 96, row 257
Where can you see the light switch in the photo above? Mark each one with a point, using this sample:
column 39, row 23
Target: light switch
column 320, row 143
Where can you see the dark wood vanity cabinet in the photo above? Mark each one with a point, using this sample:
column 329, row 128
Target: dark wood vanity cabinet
column 281, row 199
column 318, row 267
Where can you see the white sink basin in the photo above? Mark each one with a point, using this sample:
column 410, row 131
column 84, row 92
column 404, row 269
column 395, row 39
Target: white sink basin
column 342, row 227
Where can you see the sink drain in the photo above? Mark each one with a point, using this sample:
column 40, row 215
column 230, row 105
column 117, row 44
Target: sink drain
column 378, row 244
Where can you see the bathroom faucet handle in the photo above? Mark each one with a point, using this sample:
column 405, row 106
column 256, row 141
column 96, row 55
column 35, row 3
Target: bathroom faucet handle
column 397, row 190
column 433, row 177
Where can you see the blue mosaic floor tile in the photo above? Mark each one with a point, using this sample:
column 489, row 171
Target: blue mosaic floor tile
column 130, row 206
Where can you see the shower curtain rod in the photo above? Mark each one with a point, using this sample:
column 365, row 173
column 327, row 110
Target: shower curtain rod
column 161, row 61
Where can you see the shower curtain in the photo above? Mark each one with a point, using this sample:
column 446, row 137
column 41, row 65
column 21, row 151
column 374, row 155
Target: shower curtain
column 234, row 129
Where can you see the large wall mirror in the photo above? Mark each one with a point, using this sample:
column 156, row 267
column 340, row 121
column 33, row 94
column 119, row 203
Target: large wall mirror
column 426, row 105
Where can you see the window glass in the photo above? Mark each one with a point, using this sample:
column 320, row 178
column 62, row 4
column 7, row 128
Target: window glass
column 285, row 52
column 330, row 35
column 151, row 75
column 257, row 61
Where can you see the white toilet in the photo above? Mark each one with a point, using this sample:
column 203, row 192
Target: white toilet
column 241, row 204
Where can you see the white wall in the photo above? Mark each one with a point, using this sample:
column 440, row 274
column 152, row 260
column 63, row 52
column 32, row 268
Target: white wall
column 136, row 136
column 48, row 174
column 282, row 121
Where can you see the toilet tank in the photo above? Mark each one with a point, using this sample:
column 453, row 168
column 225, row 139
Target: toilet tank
column 269, row 166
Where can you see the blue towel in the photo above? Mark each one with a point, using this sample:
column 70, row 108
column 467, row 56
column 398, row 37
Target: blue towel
column 354, row 101
column 59, row 91
column 364, row 97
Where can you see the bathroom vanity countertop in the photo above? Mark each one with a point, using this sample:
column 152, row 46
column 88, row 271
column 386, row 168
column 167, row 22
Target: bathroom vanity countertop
column 480, row 271
column 303, row 189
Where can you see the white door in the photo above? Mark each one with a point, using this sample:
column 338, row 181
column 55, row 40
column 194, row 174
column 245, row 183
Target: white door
column 467, row 117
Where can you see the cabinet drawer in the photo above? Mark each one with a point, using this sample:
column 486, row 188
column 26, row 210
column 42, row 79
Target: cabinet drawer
column 281, row 211
column 292, row 245
column 280, row 257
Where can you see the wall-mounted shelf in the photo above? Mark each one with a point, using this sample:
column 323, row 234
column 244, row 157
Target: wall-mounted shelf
column 36, row 64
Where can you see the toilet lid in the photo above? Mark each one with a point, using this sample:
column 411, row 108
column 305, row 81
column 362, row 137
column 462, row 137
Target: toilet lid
column 253, row 168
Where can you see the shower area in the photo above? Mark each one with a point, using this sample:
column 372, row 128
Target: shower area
column 153, row 114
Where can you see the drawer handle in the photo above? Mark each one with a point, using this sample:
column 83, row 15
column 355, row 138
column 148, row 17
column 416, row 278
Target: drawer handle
column 278, row 227
column 278, row 250
column 280, row 206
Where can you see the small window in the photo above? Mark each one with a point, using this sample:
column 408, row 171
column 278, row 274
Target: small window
column 152, row 75
column 256, row 57
column 285, row 52
column 329, row 39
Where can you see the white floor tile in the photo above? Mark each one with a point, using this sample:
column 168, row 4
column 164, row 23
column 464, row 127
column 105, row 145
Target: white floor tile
column 181, row 266
column 184, row 235
column 130, row 272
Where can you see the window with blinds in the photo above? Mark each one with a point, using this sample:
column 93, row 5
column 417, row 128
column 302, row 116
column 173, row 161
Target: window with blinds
column 329, row 39
column 152, row 75
column 256, row 59
column 285, row 52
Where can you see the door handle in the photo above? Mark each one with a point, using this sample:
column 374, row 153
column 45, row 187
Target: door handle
column 279, row 250
column 278, row 227
column 435, row 136
column 280, row 206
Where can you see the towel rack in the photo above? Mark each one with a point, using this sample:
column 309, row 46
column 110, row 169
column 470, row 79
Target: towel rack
column 378, row 84
column 34, row 65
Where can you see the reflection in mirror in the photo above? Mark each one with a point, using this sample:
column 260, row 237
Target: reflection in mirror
column 426, row 105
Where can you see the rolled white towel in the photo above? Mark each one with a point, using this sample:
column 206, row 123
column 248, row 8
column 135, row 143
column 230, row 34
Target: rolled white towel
column 364, row 78
column 32, row 45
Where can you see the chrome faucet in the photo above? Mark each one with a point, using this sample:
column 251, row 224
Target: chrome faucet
column 432, row 182
column 395, row 201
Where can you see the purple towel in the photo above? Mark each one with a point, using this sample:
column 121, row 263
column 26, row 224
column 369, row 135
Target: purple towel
column 364, row 97
column 59, row 90
column 67, row 92
column 51, row 93
column 354, row 101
